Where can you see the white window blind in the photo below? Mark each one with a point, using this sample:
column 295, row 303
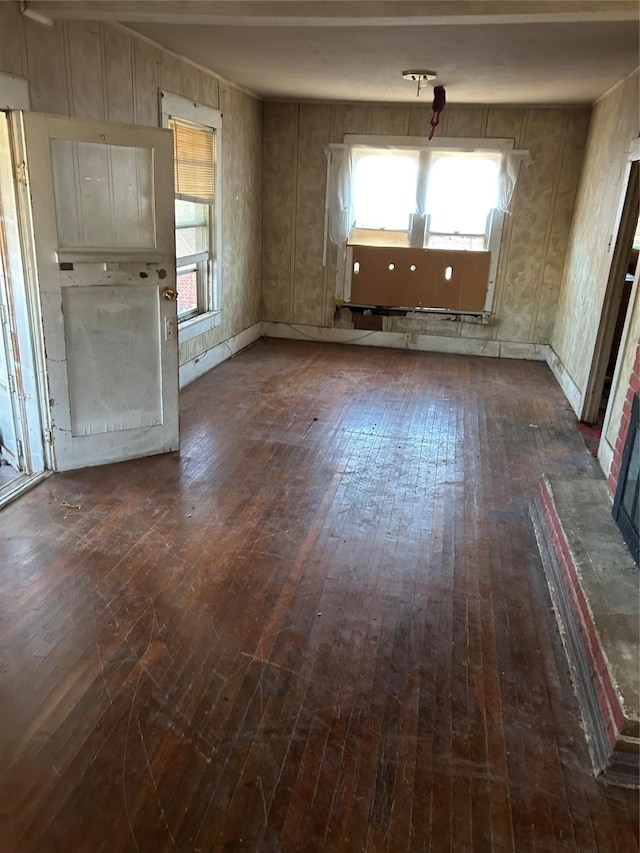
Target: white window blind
column 194, row 155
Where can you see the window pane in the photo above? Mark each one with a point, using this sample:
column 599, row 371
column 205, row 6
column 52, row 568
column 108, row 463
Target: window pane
column 187, row 282
column 461, row 192
column 191, row 241
column 191, row 213
column 631, row 484
column 384, row 191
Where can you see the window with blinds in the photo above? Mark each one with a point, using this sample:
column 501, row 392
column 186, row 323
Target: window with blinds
column 197, row 152
column 194, row 154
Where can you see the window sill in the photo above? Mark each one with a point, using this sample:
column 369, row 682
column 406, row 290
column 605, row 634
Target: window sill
column 195, row 326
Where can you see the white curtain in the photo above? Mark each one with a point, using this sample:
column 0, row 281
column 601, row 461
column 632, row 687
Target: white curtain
column 342, row 157
column 339, row 183
column 510, row 167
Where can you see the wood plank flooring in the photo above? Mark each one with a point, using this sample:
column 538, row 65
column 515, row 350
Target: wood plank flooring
column 323, row 626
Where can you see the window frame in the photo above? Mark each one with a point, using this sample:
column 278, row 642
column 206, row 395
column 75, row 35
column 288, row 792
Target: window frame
column 209, row 315
column 201, row 264
column 420, row 231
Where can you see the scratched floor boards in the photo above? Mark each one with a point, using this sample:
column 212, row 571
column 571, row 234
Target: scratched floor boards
column 323, row 626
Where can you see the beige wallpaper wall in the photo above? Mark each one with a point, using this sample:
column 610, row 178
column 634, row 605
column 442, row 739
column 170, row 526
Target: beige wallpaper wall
column 297, row 289
column 87, row 69
column 615, row 123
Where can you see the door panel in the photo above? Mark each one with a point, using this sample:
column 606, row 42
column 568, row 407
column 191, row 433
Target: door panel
column 103, row 195
column 103, row 236
column 112, row 358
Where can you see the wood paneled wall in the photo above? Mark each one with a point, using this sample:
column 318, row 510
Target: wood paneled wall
column 297, row 289
column 615, row 124
column 88, row 69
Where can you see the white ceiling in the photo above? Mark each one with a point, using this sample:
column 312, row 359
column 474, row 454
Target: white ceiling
column 503, row 51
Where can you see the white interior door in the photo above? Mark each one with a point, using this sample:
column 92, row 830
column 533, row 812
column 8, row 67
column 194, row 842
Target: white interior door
column 102, row 227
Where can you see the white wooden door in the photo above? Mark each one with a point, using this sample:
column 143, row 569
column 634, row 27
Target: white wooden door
column 102, row 224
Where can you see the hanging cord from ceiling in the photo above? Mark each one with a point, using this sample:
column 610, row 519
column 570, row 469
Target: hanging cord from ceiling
column 439, row 101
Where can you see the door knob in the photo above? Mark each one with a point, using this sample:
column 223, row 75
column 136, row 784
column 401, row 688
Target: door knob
column 169, row 294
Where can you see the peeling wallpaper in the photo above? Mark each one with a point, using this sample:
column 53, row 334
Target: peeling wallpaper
column 86, row 69
column 296, row 287
column 615, row 123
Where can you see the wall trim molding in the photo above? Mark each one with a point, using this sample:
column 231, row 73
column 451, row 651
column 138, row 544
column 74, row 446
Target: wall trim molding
column 402, row 340
column 93, row 16
column 201, row 364
column 612, row 88
column 206, row 361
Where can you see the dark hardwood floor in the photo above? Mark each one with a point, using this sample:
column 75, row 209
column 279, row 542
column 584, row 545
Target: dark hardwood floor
column 323, row 626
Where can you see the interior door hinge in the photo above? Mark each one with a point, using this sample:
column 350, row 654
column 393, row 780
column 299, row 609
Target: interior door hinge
column 21, row 173
column 48, row 435
column 20, row 449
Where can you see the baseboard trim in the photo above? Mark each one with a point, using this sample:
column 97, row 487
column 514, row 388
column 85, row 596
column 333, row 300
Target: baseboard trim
column 401, row 340
column 605, row 456
column 206, row 361
column 565, row 381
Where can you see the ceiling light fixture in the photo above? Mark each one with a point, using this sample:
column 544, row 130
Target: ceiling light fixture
column 419, row 76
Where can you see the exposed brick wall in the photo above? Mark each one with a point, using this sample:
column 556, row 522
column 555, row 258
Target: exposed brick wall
column 187, row 291
column 618, row 450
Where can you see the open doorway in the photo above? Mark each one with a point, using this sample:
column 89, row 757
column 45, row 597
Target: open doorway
column 24, row 456
column 627, row 285
column 11, row 439
column 614, row 312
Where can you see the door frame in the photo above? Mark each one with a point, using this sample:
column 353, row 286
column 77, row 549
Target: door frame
column 27, row 350
column 625, row 225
